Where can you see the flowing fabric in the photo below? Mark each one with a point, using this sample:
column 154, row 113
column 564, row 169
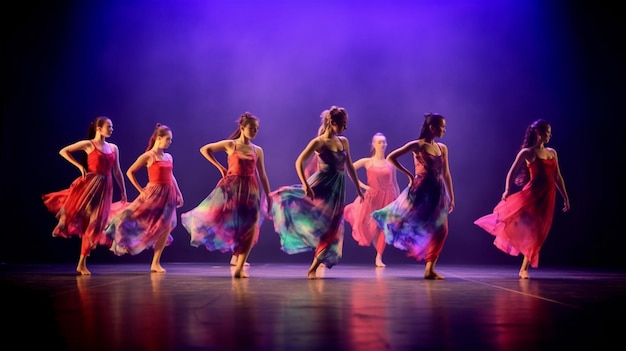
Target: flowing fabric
column 417, row 221
column 381, row 192
column 138, row 225
column 231, row 212
column 314, row 225
column 521, row 222
column 83, row 209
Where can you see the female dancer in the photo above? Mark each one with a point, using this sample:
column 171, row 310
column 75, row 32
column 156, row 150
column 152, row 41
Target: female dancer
column 417, row 221
column 83, row 209
column 381, row 189
column 148, row 221
column 229, row 218
column 309, row 217
column 520, row 222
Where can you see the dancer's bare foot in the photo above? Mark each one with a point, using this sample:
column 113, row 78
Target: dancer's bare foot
column 83, row 270
column 233, row 261
column 379, row 260
column 157, row 269
column 524, row 274
column 433, row 276
column 240, row 274
column 312, row 272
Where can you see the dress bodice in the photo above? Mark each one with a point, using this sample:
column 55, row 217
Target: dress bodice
column 160, row 172
column 331, row 161
column 100, row 162
column 241, row 164
column 380, row 176
column 542, row 170
column 427, row 164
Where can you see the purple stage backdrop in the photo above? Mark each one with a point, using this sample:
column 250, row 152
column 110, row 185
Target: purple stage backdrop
column 490, row 67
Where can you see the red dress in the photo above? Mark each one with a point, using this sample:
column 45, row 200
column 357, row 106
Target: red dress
column 521, row 222
column 83, row 208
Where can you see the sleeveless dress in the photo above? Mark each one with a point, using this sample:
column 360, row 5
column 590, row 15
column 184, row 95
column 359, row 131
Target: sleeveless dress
column 138, row 225
column 417, row 221
column 83, row 209
column 381, row 192
column 231, row 212
column 521, row 223
column 314, row 225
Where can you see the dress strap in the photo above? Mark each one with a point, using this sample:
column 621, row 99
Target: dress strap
column 153, row 157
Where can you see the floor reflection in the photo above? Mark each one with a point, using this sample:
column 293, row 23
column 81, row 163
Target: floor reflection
column 278, row 308
column 369, row 315
column 106, row 320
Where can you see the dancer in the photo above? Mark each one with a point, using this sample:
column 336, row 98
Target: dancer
column 381, row 189
column 148, row 221
column 521, row 221
column 309, row 217
column 417, row 221
column 83, row 209
column 229, row 218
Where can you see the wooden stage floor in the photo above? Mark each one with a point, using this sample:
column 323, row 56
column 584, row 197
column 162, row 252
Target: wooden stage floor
column 352, row 307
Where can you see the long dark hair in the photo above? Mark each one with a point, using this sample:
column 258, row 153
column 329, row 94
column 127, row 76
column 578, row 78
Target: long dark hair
column 243, row 121
column 430, row 119
column 530, row 139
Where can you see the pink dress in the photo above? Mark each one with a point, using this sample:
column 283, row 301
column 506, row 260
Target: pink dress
column 382, row 192
column 141, row 223
column 521, row 223
column 83, row 208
